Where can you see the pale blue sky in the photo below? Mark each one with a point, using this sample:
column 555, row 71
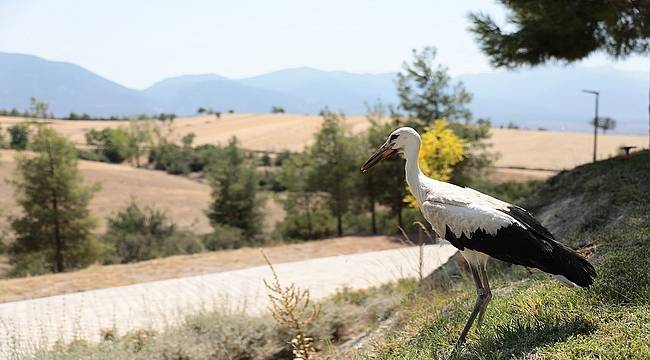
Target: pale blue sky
column 136, row 43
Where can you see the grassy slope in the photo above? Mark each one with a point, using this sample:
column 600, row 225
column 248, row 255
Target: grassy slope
column 605, row 210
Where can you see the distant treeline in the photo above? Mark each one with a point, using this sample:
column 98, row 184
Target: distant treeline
column 85, row 116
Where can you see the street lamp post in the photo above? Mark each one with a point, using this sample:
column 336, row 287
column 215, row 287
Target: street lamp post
column 595, row 119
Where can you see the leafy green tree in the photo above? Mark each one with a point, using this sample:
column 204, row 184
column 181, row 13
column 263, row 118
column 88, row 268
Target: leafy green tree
column 426, row 91
column 427, row 94
column 234, row 183
column 37, row 108
column 334, row 166
column 295, row 176
column 114, row 144
column 19, row 136
column 140, row 137
column 541, row 30
column 56, row 223
column 376, row 187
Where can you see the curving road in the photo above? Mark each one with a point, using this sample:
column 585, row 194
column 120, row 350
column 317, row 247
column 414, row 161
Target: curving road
column 25, row 325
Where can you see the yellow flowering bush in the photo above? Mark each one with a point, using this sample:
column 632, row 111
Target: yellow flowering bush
column 441, row 149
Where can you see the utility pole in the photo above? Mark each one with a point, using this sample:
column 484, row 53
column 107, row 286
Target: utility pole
column 595, row 119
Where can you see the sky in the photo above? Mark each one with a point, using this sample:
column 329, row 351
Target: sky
column 137, row 43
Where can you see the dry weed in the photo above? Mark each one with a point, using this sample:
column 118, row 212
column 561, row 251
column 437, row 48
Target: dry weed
column 292, row 309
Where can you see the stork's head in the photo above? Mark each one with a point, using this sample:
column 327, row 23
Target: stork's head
column 398, row 141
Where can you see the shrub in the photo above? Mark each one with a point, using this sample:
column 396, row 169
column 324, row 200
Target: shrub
column 295, row 226
column 19, row 136
column 3, row 140
column 113, row 144
column 176, row 160
column 281, row 157
column 225, row 237
column 137, row 234
column 30, row 264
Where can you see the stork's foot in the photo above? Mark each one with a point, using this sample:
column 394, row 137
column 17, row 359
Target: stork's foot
column 484, row 306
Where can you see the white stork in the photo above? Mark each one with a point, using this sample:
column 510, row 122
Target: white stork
column 481, row 226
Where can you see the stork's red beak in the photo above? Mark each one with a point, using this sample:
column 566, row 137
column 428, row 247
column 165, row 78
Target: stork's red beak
column 380, row 154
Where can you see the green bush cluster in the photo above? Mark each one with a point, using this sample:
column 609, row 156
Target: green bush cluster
column 19, row 136
column 177, row 160
column 136, row 234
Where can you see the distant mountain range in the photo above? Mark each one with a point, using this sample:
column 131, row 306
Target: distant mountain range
column 548, row 97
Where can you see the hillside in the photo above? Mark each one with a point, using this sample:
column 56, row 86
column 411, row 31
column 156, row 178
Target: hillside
column 603, row 210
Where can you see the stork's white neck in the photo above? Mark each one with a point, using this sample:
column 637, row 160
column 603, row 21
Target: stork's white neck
column 412, row 168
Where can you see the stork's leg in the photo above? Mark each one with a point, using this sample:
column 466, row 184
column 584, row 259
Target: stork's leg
column 480, row 299
column 488, row 293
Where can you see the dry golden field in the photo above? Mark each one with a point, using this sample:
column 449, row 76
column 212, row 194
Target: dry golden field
column 183, row 199
column 534, row 149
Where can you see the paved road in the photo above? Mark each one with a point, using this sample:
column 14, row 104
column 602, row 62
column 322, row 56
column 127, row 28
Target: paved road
column 27, row 324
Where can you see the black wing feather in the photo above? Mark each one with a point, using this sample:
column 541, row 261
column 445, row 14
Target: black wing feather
column 532, row 246
column 523, row 216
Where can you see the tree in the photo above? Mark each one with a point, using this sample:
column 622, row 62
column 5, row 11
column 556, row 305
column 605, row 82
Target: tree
column 427, row 93
column 295, row 175
column 3, row 140
column 19, row 136
column 567, row 31
column 56, row 223
column 115, row 145
column 37, row 108
column 334, row 165
column 140, row 137
column 188, row 139
column 234, row 183
column 605, row 123
column 277, row 110
column 200, row 110
column 385, row 183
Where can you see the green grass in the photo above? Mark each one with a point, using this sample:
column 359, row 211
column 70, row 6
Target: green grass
column 537, row 317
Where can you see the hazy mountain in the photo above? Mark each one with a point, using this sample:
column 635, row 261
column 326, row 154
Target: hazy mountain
column 185, row 94
column 548, row 97
column 341, row 91
column 66, row 87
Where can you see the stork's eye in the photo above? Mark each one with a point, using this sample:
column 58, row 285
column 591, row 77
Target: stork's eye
column 392, row 137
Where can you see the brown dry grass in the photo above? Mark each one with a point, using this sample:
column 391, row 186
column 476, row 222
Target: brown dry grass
column 555, row 150
column 182, row 198
column 274, row 132
column 271, row 132
column 98, row 277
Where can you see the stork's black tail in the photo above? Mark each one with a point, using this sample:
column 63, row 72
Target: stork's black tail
column 570, row 264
